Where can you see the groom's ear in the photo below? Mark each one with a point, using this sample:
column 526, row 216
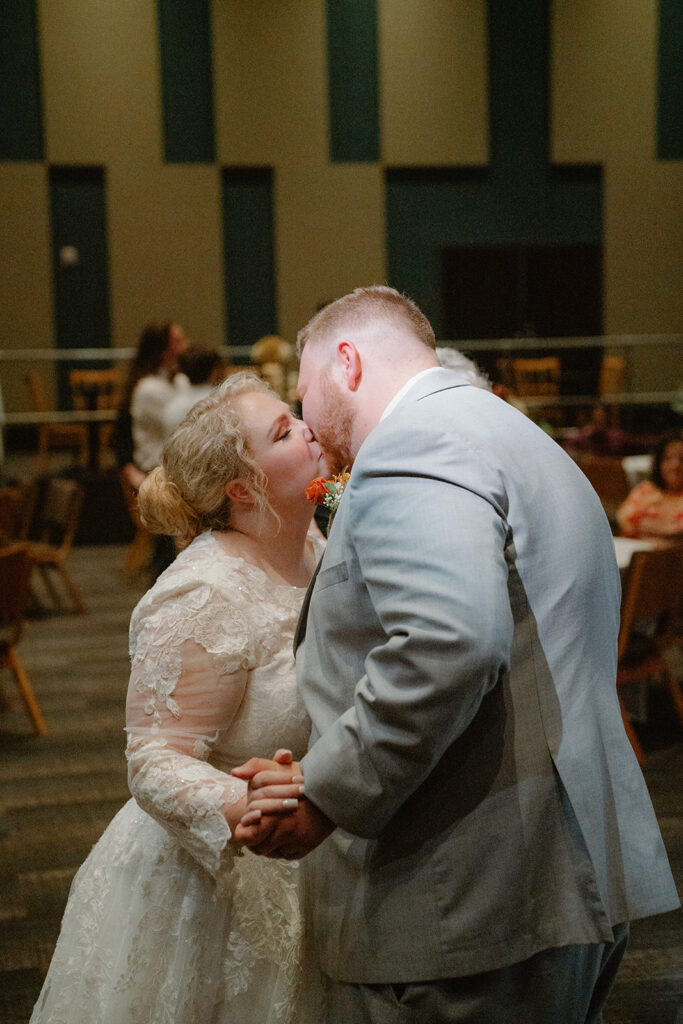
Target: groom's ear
column 237, row 492
column 350, row 364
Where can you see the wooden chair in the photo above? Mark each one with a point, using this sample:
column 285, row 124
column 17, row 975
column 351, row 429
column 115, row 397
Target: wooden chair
column 609, row 480
column 15, row 573
column 611, row 382
column 93, row 390
column 611, row 375
column 139, row 550
column 58, row 522
column 51, row 436
column 652, row 596
column 16, row 511
column 533, row 377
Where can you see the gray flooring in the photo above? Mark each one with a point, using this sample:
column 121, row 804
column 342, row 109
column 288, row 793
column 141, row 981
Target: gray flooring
column 58, row 792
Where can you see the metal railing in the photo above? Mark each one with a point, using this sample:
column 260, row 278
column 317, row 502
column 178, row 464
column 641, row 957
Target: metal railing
column 504, row 346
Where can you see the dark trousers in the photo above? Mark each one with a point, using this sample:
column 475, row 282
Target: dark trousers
column 567, row 985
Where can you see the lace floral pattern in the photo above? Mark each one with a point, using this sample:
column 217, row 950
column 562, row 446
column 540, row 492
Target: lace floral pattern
column 164, row 924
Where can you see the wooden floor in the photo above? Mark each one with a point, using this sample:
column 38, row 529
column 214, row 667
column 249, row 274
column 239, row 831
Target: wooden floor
column 59, row 792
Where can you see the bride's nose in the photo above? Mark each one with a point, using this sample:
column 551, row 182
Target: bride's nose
column 308, row 434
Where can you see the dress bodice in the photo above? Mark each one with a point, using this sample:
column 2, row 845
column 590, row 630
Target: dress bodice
column 212, row 684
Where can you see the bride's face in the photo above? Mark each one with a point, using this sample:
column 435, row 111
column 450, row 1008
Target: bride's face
column 282, row 445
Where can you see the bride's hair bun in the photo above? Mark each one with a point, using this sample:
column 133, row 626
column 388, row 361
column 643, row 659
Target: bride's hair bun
column 163, row 509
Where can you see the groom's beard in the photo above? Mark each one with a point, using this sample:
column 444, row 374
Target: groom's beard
column 333, row 431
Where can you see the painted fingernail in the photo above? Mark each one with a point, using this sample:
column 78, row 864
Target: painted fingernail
column 297, row 778
column 250, row 817
column 302, row 790
column 289, row 804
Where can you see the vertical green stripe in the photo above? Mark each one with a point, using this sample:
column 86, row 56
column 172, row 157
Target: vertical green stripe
column 21, row 121
column 186, row 80
column 353, row 80
column 670, row 81
column 249, row 245
column 78, row 219
column 519, row 199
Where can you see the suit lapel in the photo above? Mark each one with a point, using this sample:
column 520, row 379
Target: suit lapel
column 303, row 615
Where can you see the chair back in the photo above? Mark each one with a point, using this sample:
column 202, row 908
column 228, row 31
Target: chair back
column 611, row 375
column 95, row 389
column 16, row 509
column 15, row 573
column 60, row 512
column 608, row 478
column 10, row 498
column 37, row 391
column 536, row 376
column 652, row 593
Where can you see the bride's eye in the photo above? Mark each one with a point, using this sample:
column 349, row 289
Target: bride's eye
column 284, row 434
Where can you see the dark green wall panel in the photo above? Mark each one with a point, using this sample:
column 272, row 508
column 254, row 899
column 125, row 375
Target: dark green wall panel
column 186, row 80
column 353, row 80
column 670, row 81
column 519, row 198
column 21, row 121
column 79, row 219
column 249, row 246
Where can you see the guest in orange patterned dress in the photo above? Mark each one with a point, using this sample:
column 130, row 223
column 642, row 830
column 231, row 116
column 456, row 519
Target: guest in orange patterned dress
column 654, row 508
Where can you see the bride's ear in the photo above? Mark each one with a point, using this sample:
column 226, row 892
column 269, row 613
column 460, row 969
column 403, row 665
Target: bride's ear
column 237, row 492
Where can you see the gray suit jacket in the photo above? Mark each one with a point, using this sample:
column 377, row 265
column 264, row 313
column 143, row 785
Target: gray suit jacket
column 459, row 670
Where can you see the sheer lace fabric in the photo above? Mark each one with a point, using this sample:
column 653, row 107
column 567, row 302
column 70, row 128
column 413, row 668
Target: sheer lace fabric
column 165, row 923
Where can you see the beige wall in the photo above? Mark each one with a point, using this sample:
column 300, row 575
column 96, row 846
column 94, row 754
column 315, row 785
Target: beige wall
column 603, row 111
column 433, row 71
column 101, row 92
column 26, row 310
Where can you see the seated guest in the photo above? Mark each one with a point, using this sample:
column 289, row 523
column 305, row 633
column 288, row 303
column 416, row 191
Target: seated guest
column 204, row 368
column 654, row 508
column 453, row 359
column 599, row 438
column 140, row 432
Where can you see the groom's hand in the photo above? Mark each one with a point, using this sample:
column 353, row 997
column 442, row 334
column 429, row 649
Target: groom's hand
column 290, row 836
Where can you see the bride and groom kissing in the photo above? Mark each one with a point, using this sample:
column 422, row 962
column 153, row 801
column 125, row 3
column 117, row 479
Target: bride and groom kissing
column 468, row 834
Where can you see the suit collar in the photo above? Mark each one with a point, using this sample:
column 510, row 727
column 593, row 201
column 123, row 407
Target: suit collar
column 437, row 378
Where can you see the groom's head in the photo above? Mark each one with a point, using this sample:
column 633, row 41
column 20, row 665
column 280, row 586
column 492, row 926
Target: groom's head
column 356, row 353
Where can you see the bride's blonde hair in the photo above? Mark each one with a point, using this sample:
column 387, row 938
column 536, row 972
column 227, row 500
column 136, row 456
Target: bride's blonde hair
column 185, row 495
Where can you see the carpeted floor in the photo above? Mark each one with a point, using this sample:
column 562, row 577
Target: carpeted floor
column 60, row 791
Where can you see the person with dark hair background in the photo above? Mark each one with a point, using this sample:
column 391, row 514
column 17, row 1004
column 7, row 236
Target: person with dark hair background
column 654, row 508
column 139, row 433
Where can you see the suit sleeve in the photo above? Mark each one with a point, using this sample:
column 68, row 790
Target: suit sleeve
column 431, row 552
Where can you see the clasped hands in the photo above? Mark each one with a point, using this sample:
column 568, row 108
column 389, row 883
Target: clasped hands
column 279, row 820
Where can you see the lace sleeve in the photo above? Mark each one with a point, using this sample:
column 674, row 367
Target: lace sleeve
column 185, row 689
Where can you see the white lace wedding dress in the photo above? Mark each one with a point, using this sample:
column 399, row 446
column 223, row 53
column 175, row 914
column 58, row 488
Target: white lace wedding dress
column 165, row 924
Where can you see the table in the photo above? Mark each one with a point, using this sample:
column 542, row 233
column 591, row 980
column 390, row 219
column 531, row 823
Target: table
column 625, row 546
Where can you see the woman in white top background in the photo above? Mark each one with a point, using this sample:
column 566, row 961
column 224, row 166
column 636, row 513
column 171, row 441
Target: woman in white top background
column 153, row 381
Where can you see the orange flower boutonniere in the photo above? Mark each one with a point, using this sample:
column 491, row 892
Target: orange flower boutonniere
column 327, row 492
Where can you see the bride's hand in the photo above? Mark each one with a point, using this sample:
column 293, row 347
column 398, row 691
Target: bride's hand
column 272, row 783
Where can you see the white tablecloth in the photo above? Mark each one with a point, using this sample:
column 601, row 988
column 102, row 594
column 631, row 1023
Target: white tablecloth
column 625, row 546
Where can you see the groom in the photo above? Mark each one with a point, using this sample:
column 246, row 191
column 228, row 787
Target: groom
column 481, row 831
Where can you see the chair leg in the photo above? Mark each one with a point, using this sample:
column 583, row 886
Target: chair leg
column 73, row 590
column 49, row 585
column 29, row 697
column 5, row 702
column 676, row 693
column 138, row 553
column 631, row 733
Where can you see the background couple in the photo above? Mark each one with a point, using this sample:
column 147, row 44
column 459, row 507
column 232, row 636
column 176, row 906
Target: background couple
column 476, row 829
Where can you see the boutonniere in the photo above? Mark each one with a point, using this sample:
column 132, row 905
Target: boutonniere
column 327, row 492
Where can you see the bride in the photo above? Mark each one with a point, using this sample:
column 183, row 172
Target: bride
column 169, row 921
